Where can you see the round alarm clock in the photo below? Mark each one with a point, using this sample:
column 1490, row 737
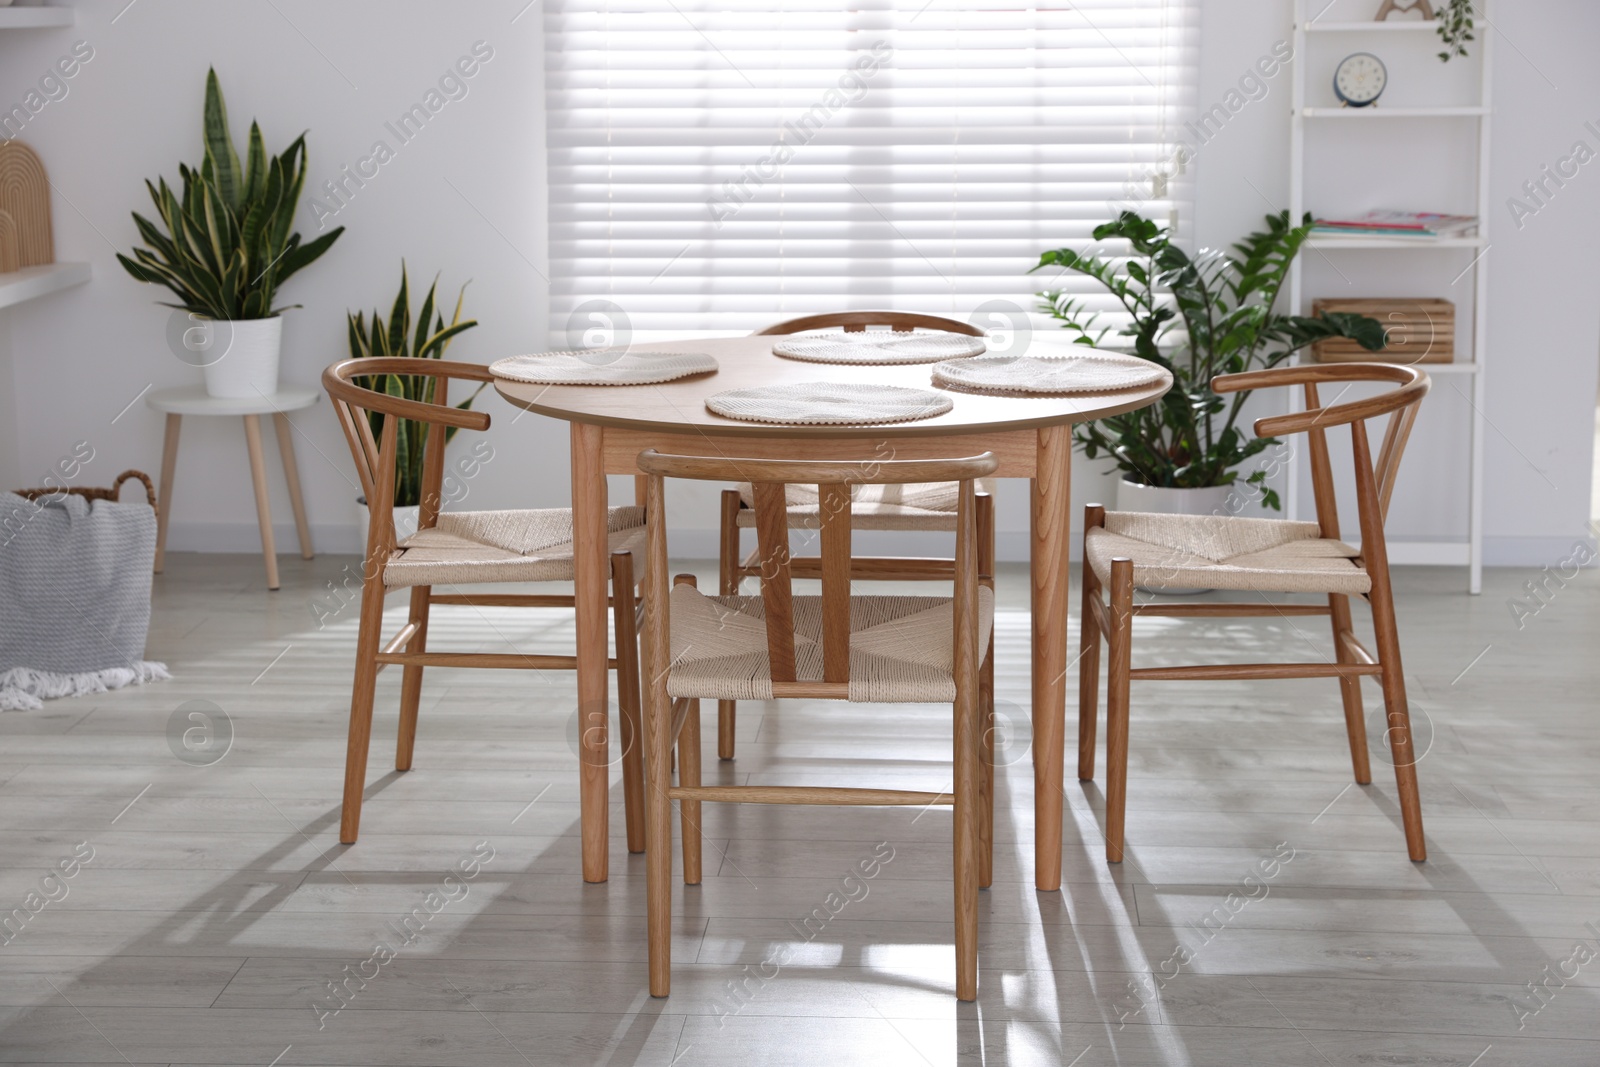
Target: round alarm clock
column 1359, row 79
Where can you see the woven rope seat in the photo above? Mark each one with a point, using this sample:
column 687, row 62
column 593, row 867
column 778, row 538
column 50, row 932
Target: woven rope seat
column 502, row 546
column 917, row 506
column 1225, row 552
column 900, row 646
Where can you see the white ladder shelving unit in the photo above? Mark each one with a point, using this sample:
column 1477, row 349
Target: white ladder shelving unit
column 1306, row 118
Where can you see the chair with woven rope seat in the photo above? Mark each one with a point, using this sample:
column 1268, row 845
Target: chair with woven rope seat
column 465, row 548
column 1159, row 552
column 928, row 506
column 836, row 646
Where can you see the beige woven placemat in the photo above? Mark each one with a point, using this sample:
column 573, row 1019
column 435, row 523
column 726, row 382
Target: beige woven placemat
column 879, row 346
column 602, row 366
column 1047, row 374
column 829, row 404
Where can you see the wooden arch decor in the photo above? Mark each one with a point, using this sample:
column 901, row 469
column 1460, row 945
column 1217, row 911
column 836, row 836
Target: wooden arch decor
column 25, row 238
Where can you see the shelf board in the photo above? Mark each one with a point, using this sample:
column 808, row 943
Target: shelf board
column 1365, row 27
column 29, row 282
column 1392, row 112
column 30, row 18
column 1464, row 367
column 1323, row 243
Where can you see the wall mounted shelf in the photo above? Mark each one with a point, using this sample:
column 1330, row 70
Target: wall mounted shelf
column 29, row 282
column 1376, row 112
column 1397, row 26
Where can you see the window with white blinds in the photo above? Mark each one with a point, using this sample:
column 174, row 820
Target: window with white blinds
column 717, row 166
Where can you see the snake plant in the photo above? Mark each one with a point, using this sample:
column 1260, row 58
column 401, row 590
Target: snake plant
column 225, row 245
column 1197, row 317
column 428, row 340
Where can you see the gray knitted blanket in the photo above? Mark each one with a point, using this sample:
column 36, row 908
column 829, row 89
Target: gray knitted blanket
column 74, row 597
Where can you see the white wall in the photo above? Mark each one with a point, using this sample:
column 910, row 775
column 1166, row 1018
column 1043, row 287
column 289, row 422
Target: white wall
column 342, row 71
column 464, row 197
column 1544, row 326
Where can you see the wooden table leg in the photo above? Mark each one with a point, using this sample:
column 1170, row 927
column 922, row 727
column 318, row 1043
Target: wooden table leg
column 1051, row 527
column 591, row 565
column 169, row 463
column 258, row 476
column 291, row 473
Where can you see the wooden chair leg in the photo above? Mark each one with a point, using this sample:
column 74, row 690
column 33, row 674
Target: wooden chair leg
column 624, row 610
column 368, row 640
column 728, row 585
column 1088, row 653
column 967, row 847
column 1398, row 718
column 986, row 723
column 411, row 680
column 1355, row 722
column 1121, row 662
column 689, row 810
column 658, row 809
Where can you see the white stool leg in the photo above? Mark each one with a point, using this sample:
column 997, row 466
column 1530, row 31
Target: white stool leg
column 291, row 473
column 169, row 463
column 258, row 475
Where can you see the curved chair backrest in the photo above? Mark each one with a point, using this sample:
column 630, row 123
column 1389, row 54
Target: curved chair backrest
column 354, row 402
column 1374, row 481
column 858, row 321
column 833, row 480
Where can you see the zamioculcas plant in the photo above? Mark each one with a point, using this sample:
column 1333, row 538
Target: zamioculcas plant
column 226, row 244
column 1198, row 317
column 398, row 339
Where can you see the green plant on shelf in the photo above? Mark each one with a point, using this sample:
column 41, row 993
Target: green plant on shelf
column 1198, row 317
column 1455, row 28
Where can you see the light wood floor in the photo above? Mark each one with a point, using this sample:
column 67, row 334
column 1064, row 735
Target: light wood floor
column 218, row 904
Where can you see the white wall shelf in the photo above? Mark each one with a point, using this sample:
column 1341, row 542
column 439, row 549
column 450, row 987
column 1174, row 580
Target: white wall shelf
column 29, row 282
column 1322, row 243
column 1386, row 26
column 33, row 18
column 1376, row 112
column 1466, row 552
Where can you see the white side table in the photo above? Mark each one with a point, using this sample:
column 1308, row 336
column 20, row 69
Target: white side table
column 193, row 400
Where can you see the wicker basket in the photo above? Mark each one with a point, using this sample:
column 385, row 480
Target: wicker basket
column 1417, row 331
column 92, row 493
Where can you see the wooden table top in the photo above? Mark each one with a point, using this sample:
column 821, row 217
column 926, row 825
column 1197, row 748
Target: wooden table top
column 748, row 361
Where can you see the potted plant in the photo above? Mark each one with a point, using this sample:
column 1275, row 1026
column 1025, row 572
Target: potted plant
column 428, row 340
column 224, row 246
column 1198, row 317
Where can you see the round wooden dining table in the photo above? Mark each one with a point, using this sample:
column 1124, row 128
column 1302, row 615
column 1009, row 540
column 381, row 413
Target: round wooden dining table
column 1031, row 436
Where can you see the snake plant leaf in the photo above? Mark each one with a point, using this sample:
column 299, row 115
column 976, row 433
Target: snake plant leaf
column 255, row 171
column 400, row 315
column 303, row 255
column 221, row 159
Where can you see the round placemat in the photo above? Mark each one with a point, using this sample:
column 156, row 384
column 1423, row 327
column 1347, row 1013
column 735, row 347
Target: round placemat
column 602, row 366
column 829, row 404
column 879, row 346
column 1047, row 374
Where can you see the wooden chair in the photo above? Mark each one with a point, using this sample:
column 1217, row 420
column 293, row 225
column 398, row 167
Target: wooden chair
column 930, row 506
column 1124, row 549
column 836, row 646
column 460, row 548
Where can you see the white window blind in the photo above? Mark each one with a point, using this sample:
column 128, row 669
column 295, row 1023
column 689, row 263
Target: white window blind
column 717, row 166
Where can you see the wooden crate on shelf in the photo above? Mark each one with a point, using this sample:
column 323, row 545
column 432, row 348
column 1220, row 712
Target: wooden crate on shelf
column 1418, row 331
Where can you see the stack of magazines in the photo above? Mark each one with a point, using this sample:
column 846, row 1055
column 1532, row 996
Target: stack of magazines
column 1418, row 224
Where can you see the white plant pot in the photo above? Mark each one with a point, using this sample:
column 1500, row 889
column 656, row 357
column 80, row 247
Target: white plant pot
column 248, row 366
column 405, row 522
column 1160, row 500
